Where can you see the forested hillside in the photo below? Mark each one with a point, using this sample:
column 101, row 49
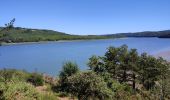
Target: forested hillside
column 18, row 34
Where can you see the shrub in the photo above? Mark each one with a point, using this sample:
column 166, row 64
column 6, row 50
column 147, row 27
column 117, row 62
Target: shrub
column 17, row 91
column 68, row 69
column 36, row 79
column 88, row 85
column 13, row 75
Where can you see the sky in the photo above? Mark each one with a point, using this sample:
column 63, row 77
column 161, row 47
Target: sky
column 88, row 16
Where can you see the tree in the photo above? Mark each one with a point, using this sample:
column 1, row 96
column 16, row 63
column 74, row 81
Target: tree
column 7, row 27
column 10, row 24
column 133, row 60
column 128, row 67
column 88, row 85
column 122, row 64
column 151, row 72
column 96, row 65
column 111, row 60
column 118, row 62
column 164, row 69
column 68, row 70
column 142, row 64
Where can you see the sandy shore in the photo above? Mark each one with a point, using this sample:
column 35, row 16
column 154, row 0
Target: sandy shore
column 164, row 54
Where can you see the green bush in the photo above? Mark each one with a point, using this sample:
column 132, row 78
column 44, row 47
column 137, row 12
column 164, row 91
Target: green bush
column 68, row 69
column 88, row 85
column 13, row 75
column 36, row 79
column 17, row 91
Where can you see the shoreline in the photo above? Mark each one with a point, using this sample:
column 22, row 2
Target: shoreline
column 41, row 42
column 165, row 54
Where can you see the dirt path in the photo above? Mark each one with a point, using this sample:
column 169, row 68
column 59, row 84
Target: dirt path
column 63, row 98
column 43, row 89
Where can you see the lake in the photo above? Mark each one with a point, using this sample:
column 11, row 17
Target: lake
column 48, row 57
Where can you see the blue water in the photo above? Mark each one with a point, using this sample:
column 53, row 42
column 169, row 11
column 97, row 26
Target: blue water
column 49, row 57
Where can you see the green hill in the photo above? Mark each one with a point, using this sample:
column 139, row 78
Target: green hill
column 19, row 34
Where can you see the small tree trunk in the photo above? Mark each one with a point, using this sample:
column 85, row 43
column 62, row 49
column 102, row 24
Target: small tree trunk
column 134, row 83
column 124, row 76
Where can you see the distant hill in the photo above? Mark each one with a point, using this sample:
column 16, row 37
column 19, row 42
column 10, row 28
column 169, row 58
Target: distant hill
column 18, row 34
column 165, row 35
column 160, row 34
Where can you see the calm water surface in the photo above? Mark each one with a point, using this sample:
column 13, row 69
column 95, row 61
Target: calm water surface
column 49, row 57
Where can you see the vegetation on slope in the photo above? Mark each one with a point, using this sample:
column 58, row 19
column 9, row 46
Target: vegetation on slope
column 11, row 34
column 15, row 85
column 18, row 34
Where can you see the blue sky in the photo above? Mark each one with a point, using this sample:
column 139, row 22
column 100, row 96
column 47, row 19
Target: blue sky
column 88, row 16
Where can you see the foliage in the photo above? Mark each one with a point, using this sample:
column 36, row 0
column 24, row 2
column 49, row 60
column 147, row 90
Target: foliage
column 11, row 34
column 87, row 85
column 10, row 25
column 95, row 64
column 18, row 34
column 7, row 75
column 68, row 69
column 17, row 91
column 142, row 72
column 14, row 85
column 163, row 87
column 36, row 79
